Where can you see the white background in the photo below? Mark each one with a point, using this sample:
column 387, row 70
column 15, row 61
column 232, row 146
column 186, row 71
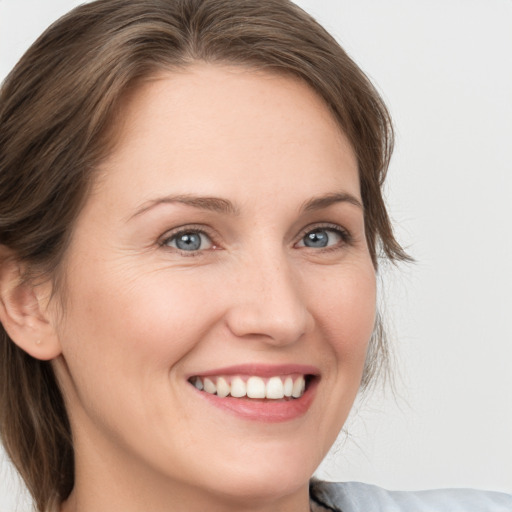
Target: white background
column 445, row 69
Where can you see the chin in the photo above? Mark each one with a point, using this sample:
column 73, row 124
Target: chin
column 264, row 476
column 259, row 486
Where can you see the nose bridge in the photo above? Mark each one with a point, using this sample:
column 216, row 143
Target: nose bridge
column 269, row 302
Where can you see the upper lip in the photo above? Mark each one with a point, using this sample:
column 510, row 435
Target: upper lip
column 260, row 370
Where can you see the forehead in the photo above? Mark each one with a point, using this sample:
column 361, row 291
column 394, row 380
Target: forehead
column 208, row 123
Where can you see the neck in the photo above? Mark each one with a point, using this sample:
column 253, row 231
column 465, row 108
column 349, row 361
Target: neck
column 185, row 501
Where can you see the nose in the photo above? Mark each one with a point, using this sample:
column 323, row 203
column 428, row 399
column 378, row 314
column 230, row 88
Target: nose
column 268, row 303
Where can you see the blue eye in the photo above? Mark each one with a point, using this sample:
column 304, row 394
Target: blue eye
column 189, row 241
column 320, row 238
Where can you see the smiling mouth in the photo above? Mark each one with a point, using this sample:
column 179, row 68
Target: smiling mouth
column 278, row 387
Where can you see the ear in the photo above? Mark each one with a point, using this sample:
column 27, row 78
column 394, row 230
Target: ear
column 24, row 310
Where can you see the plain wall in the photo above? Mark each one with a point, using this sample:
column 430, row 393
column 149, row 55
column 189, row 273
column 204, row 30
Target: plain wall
column 445, row 69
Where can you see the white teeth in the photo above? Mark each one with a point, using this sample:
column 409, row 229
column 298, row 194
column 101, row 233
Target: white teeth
column 238, row 388
column 256, row 387
column 209, row 386
column 298, row 387
column 223, row 388
column 288, row 386
column 275, row 388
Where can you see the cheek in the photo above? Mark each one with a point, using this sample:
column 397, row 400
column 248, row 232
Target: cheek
column 135, row 321
column 345, row 316
column 123, row 337
column 345, row 310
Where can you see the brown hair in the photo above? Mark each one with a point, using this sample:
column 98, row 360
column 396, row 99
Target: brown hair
column 56, row 107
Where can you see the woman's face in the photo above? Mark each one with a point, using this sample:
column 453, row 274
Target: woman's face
column 222, row 247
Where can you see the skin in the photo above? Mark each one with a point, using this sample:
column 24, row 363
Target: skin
column 138, row 316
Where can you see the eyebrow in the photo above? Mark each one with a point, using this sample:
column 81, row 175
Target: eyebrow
column 213, row 204
column 224, row 206
column 318, row 203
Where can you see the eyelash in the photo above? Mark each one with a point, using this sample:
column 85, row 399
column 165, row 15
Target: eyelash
column 345, row 235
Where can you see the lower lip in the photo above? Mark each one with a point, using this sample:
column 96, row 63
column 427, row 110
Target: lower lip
column 266, row 411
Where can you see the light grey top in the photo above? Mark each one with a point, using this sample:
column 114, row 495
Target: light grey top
column 359, row 497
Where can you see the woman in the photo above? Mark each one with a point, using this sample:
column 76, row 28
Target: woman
column 154, row 154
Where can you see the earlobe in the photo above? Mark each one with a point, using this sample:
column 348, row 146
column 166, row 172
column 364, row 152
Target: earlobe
column 24, row 311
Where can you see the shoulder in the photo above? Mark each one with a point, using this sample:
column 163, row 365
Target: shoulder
column 355, row 496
